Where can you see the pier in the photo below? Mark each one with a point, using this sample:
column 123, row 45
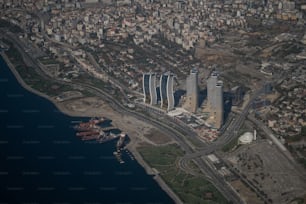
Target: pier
column 92, row 130
column 120, row 146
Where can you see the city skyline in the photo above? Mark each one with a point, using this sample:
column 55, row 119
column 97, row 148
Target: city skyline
column 187, row 82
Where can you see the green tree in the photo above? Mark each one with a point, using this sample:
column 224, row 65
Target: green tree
column 303, row 131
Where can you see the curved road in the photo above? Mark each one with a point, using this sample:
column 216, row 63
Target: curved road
column 170, row 128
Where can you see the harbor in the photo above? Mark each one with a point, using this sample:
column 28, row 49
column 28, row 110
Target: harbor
column 96, row 130
column 43, row 161
column 93, row 130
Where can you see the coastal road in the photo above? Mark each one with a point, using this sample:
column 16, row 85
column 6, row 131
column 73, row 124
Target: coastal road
column 172, row 129
column 169, row 127
column 215, row 178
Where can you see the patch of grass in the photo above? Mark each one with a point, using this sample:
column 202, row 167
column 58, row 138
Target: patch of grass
column 303, row 131
column 191, row 189
column 294, row 138
column 31, row 77
column 299, row 200
column 302, row 161
column 47, row 61
column 162, row 155
column 192, row 165
column 229, row 146
column 13, row 28
column 13, row 53
column 196, row 142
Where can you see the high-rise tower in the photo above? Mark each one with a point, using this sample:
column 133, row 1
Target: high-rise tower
column 192, row 95
column 166, row 91
column 149, row 88
column 219, row 107
column 211, row 88
column 215, row 99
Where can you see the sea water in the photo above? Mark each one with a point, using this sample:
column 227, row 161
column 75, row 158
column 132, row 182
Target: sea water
column 42, row 161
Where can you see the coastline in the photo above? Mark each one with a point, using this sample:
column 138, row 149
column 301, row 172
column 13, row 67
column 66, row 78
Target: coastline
column 133, row 134
column 30, row 89
column 149, row 170
column 20, row 80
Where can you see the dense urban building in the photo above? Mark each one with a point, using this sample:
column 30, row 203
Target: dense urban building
column 123, row 47
column 149, row 88
column 166, row 91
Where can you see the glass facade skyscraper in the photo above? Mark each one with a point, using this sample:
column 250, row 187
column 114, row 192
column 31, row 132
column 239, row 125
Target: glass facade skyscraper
column 149, row 88
column 166, row 91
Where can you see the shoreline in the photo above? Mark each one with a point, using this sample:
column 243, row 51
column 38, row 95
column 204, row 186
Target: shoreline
column 132, row 147
column 30, row 89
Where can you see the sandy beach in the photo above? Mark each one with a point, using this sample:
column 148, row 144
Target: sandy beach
column 95, row 107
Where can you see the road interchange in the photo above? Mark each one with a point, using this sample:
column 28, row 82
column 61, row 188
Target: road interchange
column 177, row 132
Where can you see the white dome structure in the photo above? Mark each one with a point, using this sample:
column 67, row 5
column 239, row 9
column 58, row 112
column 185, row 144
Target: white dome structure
column 246, row 138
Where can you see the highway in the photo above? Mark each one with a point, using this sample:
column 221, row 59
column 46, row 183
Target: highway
column 174, row 132
column 229, row 133
column 170, row 128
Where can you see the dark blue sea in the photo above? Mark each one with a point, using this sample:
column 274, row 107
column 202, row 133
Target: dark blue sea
column 42, row 161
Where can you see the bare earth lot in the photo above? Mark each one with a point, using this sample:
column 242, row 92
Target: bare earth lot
column 136, row 129
column 269, row 170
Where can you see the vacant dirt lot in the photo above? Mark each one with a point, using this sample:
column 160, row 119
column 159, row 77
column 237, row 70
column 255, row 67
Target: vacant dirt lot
column 270, row 171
